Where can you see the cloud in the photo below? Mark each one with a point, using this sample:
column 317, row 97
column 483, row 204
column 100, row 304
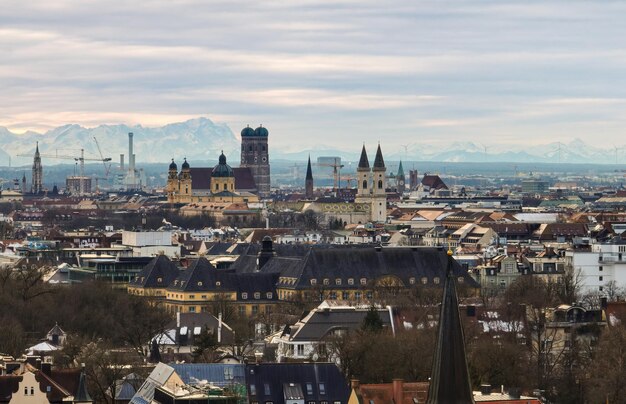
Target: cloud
column 330, row 71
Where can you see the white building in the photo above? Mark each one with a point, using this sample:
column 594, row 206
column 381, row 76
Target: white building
column 603, row 264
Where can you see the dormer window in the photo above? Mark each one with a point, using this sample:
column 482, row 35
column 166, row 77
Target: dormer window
column 218, row 284
column 436, row 280
column 424, row 280
column 269, row 295
column 412, row 281
column 313, row 281
column 244, row 295
column 199, row 283
column 326, row 281
column 338, row 281
column 350, row 281
column 257, row 295
column 363, row 281
column 159, row 280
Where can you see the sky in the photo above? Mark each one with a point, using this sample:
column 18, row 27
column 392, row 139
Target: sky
column 322, row 73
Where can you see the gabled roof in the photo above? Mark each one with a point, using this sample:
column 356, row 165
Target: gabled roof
column 196, row 277
column 321, row 322
column 201, row 178
column 434, row 182
column 160, row 267
column 278, row 375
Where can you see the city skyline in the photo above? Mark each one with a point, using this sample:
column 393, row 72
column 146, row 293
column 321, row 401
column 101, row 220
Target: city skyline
column 322, row 72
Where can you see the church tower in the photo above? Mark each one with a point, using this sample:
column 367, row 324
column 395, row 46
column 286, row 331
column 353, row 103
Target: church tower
column 184, row 183
column 172, row 182
column 363, row 175
column 308, row 182
column 400, row 180
column 379, row 185
column 255, row 155
column 37, row 173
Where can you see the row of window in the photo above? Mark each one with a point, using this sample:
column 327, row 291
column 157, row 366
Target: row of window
column 257, row 295
column 363, row 281
column 309, row 389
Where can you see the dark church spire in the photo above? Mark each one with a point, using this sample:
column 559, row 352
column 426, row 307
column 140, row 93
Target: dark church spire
column 378, row 161
column 363, row 161
column 449, row 378
column 308, row 183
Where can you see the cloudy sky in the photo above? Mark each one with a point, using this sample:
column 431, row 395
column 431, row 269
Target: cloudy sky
column 322, row 72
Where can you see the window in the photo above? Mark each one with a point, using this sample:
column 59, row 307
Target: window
column 203, row 296
column 309, row 389
column 192, row 296
column 322, row 388
column 363, row 281
column 412, row 281
column 338, row 281
column 252, row 390
column 199, row 283
column 269, row 295
column 424, row 280
column 313, row 281
column 350, row 281
column 380, row 184
column 159, row 280
column 436, row 280
column 244, row 295
column 218, row 284
column 370, row 295
column 192, row 309
column 332, row 295
column 600, row 269
column 242, row 311
column 255, row 310
column 257, row 295
column 266, row 389
column 357, row 295
column 345, row 296
column 364, row 184
column 300, row 349
column 601, row 288
column 228, row 373
column 326, row 281
column 600, row 279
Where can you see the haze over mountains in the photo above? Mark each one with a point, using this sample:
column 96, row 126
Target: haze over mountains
column 202, row 140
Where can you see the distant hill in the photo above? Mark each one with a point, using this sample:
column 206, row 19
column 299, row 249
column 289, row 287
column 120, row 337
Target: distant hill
column 201, row 141
column 197, row 139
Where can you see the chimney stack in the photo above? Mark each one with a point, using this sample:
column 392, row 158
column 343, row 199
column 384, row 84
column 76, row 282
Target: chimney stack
column 398, row 393
column 122, row 161
column 131, row 156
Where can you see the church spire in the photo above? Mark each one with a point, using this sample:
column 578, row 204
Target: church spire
column 449, row 378
column 378, row 161
column 364, row 163
column 400, row 170
column 308, row 182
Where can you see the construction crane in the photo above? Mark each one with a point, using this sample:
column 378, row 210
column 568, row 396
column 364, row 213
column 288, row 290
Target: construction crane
column 107, row 167
column 80, row 160
column 336, row 172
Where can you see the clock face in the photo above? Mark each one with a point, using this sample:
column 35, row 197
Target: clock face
column 264, row 159
column 401, row 182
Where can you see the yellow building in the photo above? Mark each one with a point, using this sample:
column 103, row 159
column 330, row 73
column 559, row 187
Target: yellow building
column 203, row 185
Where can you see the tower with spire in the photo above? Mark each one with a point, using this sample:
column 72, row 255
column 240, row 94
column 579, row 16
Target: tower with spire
column 371, row 185
column 308, row 182
column 400, row 180
column 37, row 184
column 449, row 378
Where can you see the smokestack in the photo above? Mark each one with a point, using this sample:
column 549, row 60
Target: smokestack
column 122, row 161
column 178, row 319
column 131, row 156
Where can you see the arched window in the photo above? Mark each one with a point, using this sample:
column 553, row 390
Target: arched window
column 225, row 186
column 217, row 187
column 364, row 184
column 250, row 148
column 380, row 184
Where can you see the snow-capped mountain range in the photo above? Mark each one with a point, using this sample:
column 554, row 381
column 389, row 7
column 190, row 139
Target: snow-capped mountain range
column 202, row 140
